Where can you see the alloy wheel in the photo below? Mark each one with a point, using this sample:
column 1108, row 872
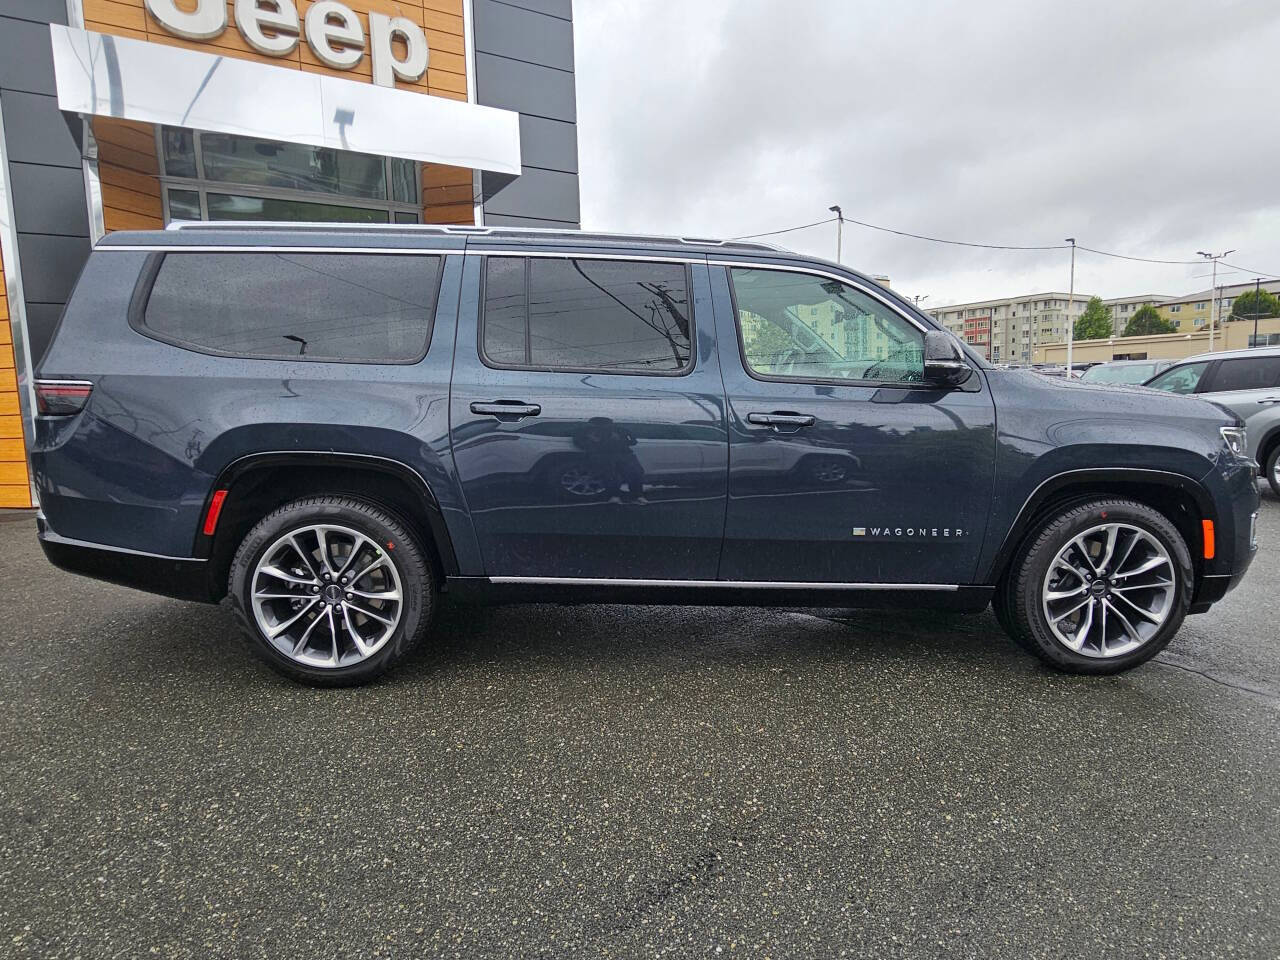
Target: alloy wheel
column 326, row 595
column 1109, row 590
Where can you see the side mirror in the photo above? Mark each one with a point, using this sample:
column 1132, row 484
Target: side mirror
column 944, row 364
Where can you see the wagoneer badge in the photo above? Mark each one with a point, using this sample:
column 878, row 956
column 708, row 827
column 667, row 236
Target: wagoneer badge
column 909, row 533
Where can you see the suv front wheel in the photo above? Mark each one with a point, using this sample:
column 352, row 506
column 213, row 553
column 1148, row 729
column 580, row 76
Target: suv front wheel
column 1103, row 587
column 331, row 591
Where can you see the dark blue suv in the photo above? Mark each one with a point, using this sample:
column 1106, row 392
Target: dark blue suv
column 333, row 426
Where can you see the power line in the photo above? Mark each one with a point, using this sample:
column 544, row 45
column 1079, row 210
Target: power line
column 1261, row 273
column 957, row 243
column 1122, row 256
column 1001, row 246
column 774, row 233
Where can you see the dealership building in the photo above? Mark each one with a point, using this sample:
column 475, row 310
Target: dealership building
column 130, row 114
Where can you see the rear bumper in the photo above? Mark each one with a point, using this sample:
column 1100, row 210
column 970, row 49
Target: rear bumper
column 183, row 578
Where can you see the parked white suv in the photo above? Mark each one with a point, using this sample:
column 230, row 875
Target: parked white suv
column 1248, row 383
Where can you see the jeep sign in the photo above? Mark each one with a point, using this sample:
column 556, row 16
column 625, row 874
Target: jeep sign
column 333, row 33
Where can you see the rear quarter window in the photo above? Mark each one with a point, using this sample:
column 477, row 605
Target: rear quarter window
column 295, row 305
column 1246, row 373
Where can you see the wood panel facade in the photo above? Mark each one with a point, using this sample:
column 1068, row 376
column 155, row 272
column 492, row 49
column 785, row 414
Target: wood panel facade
column 15, row 486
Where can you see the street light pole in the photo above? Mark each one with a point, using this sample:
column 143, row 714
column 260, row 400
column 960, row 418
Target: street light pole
column 1214, row 310
column 1071, row 296
column 839, row 228
column 1257, row 307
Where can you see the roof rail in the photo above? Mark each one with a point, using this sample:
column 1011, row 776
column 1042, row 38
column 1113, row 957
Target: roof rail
column 457, row 230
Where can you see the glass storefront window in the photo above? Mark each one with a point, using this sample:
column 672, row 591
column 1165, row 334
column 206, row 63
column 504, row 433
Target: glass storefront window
column 292, row 166
column 227, row 177
column 229, row 207
column 184, row 205
column 179, row 152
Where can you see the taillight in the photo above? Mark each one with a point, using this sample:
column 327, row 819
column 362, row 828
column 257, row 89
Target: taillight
column 61, row 398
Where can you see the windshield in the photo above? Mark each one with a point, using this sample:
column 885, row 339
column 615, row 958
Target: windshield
column 1119, row 373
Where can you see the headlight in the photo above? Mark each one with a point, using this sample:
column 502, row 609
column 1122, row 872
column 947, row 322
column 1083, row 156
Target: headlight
column 1235, row 440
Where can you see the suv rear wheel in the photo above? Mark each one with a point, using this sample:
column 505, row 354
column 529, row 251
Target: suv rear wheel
column 1102, row 588
column 331, row 591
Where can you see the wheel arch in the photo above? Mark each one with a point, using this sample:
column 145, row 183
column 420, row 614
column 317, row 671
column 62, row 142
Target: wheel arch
column 1180, row 498
column 259, row 483
column 1270, row 440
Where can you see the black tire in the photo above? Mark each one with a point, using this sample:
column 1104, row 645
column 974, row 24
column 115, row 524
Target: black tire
column 418, row 586
column 1020, row 592
column 1272, row 468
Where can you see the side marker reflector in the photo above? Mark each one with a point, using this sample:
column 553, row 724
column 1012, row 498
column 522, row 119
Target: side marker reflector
column 215, row 509
column 1207, row 527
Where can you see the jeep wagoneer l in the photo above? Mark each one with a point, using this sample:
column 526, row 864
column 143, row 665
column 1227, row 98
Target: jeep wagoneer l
column 332, row 426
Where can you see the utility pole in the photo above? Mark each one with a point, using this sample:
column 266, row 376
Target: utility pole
column 1214, row 311
column 918, row 297
column 1071, row 296
column 839, row 228
column 1257, row 307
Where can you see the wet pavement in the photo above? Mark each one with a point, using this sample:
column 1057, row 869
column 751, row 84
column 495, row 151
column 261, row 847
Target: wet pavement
column 633, row 782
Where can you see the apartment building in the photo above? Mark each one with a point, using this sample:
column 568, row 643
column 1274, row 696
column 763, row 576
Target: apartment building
column 1193, row 311
column 1123, row 308
column 1008, row 330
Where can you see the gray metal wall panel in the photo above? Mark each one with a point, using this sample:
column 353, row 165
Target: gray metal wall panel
column 41, row 11
column 523, row 35
column 549, row 144
column 42, row 320
column 26, row 56
column 50, row 266
column 503, row 220
column 49, row 200
column 36, row 131
column 552, row 8
column 543, row 194
column 525, row 87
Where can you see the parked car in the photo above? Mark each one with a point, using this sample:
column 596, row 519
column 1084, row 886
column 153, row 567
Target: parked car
column 1248, row 383
column 331, row 426
column 1131, row 372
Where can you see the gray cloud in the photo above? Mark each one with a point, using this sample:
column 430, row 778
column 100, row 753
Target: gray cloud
column 1141, row 126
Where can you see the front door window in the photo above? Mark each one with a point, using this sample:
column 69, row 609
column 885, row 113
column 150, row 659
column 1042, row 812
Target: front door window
column 806, row 327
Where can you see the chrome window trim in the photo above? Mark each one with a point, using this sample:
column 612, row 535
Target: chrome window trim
column 299, row 248
column 23, row 364
column 469, row 64
column 575, row 255
column 734, row 584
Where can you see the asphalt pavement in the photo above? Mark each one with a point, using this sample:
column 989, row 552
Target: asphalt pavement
column 632, row 782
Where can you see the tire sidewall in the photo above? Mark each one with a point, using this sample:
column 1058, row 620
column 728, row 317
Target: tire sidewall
column 1270, row 467
column 402, row 550
column 1028, row 599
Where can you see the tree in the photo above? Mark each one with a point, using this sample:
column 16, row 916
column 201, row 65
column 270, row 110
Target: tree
column 1095, row 323
column 1148, row 320
column 1261, row 303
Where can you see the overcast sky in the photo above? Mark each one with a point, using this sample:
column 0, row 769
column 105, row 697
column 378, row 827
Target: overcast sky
column 1147, row 127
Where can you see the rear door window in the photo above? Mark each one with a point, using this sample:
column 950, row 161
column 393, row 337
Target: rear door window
column 296, row 305
column 1245, row 373
column 586, row 315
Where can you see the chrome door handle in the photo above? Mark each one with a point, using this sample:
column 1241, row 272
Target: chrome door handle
column 506, row 409
column 781, row 419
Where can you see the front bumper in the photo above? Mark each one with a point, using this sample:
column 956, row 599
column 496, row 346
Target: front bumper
column 1234, row 490
column 184, row 578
